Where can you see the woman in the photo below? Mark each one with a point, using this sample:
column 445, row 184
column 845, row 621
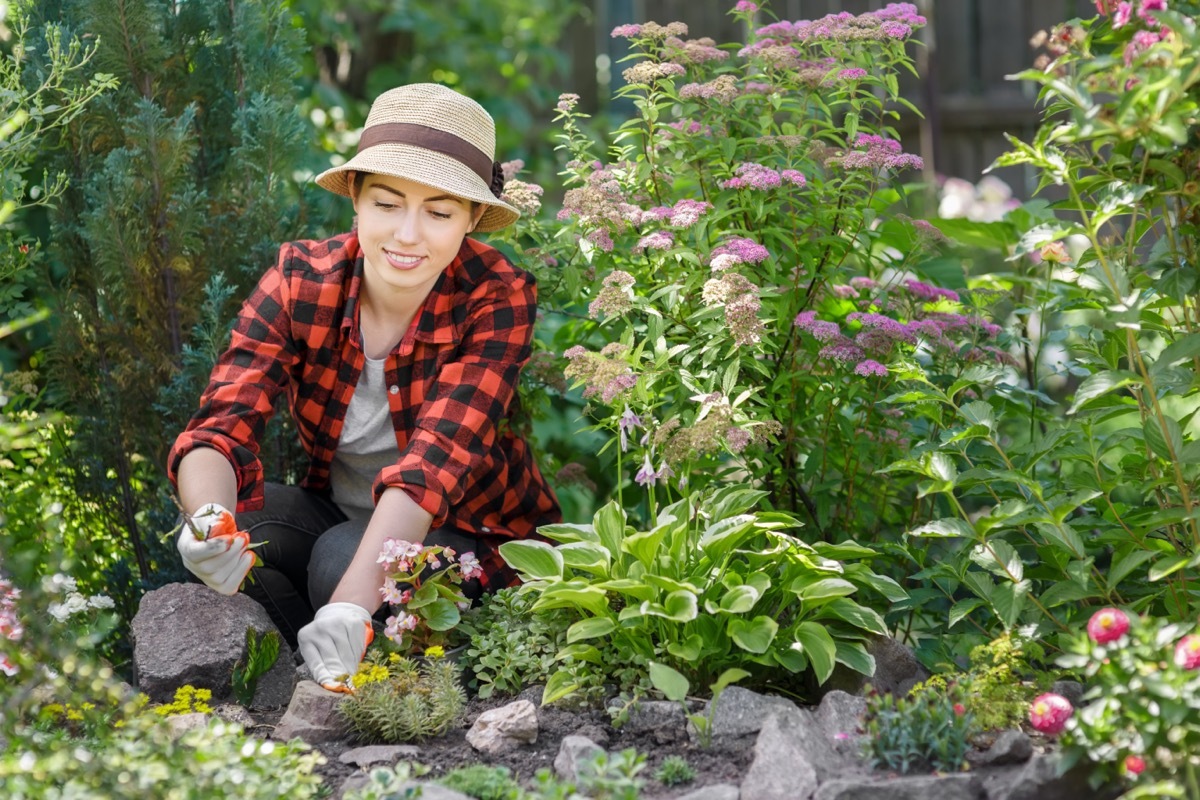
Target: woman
column 399, row 346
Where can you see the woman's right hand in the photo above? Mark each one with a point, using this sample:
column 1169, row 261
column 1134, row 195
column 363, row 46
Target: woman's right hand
column 214, row 550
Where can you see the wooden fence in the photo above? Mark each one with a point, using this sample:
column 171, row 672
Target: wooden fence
column 962, row 90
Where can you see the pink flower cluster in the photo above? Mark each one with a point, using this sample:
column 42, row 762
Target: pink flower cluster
column 737, row 251
column 894, row 21
column 658, row 240
column 694, row 51
column 930, row 294
column 721, row 90
column 1049, row 713
column 616, row 295
column 759, row 177
column 1124, row 11
column 1107, row 625
column 877, row 152
column 602, row 373
column 10, row 624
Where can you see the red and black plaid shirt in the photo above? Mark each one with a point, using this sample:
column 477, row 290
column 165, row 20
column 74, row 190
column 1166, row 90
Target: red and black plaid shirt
column 450, row 382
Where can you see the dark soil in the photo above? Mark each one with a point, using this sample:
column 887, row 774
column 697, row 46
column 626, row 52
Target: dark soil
column 724, row 762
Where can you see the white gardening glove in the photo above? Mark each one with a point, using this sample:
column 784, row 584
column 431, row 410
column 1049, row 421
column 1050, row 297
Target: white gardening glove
column 334, row 644
column 214, row 550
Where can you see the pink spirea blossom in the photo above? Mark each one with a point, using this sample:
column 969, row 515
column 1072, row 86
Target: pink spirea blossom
column 753, row 176
column 745, row 7
column 930, row 294
column 1141, row 42
column 469, row 565
column 1148, row 6
column 794, row 177
column 659, row 240
column 601, row 239
column 741, row 318
column 742, row 251
column 1107, row 625
column 626, row 31
column 863, row 282
column 687, row 213
column 852, row 74
column 1122, row 15
column 1187, row 652
column 843, row 350
column 1049, row 713
column 877, row 152
column 868, row 368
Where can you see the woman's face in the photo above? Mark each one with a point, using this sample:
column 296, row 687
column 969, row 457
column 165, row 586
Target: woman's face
column 409, row 232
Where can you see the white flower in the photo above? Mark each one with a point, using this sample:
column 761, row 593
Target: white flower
column 60, row 584
column 56, row 508
column 74, row 603
column 101, row 601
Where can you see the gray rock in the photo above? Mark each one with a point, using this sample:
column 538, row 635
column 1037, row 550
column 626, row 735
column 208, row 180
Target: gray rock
column 718, row 791
column 923, row 787
column 573, row 751
column 426, row 791
column 179, row 724
column 378, row 754
column 839, row 716
column 1072, row 690
column 739, row 712
column 1042, row 778
column 312, row 716
column 662, row 719
column 1010, row 747
column 782, row 768
column 231, row 712
column 505, row 728
column 185, row 633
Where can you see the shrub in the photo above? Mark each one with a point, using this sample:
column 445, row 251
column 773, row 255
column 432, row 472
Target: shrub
column 1140, row 718
column 511, row 646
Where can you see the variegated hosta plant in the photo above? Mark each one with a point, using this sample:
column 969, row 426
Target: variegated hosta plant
column 711, row 586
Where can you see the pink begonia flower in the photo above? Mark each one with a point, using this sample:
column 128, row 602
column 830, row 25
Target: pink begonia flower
column 399, row 623
column 1135, row 765
column 1107, row 625
column 1049, row 713
column 1187, row 652
column 1055, row 252
column 470, row 566
column 391, row 592
column 7, row 667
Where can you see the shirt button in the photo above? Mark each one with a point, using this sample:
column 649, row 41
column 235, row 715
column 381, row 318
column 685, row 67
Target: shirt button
column 394, row 389
column 486, row 529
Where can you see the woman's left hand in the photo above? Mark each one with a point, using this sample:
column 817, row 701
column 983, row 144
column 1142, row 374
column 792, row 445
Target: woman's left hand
column 334, row 643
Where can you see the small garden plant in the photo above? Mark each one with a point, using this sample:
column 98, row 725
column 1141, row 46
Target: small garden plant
column 512, row 647
column 396, row 699
column 927, row 730
column 1140, row 717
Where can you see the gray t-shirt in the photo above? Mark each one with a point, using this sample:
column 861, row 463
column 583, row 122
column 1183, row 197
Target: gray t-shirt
column 366, row 446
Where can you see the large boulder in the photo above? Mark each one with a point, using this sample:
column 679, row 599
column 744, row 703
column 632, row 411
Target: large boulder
column 185, row 633
column 897, row 670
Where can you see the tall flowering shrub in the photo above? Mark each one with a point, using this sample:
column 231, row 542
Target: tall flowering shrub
column 1070, row 483
column 739, row 285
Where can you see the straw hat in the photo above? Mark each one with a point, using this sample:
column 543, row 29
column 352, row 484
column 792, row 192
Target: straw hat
column 434, row 136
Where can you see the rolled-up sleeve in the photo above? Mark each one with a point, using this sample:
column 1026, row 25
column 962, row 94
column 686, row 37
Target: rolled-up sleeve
column 243, row 386
column 451, row 446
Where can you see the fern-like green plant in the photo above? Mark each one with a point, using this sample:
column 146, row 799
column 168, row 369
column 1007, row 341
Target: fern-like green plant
column 261, row 654
column 414, row 702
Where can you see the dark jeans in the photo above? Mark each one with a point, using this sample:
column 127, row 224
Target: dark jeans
column 309, row 545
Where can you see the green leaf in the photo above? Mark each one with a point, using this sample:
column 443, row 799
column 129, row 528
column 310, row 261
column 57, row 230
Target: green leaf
column 849, row 611
column 978, row 412
column 534, row 560
column 1101, row 384
column 631, row 587
column 822, row 589
column 960, row 610
column 754, row 635
column 1163, row 446
column 680, row 606
column 1186, row 348
column 561, row 684
column 580, row 652
column 644, row 545
column 731, row 675
column 724, row 535
column 569, row 532
column 1125, row 564
column 1008, row 601
column 590, row 628
column 1167, row 566
column 944, row 529
column 819, row 646
column 855, row 656
column 587, row 556
column 687, row 650
column 669, row 681
column 423, row 596
column 609, row 522
column 737, row 600
column 574, row 594
column 441, row 615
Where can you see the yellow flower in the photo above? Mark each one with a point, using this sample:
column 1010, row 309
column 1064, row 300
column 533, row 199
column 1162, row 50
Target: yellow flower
column 437, row 651
column 369, row 673
column 74, row 714
column 53, row 710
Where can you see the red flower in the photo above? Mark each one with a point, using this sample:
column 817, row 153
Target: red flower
column 1107, row 625
column 1049, row 713
column 1135, row 765
column 959, row 709
column 1187, row 652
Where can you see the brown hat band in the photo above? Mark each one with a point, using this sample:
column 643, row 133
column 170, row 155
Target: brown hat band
column 438, row 141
